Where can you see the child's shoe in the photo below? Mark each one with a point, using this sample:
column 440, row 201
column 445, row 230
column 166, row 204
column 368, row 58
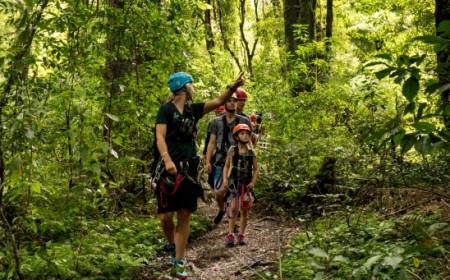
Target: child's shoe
column 229, row 241
column 241, row 239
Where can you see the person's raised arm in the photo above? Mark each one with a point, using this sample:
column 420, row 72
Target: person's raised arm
column 161, row 130
column 224, row 96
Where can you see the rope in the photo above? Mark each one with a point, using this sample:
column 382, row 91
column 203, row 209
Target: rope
column 163, row 193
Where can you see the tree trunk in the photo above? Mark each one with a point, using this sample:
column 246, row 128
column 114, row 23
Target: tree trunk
column 307, row 17
column 303, row 13
column 17, row 74
column 249, row 52
column 291, row 12
column 329, row 27
column 209, row 33
column 442, row 12
column 226, row 41
column 115, row 69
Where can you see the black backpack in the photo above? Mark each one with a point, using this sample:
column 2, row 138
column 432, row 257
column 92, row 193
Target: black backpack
column 219, row 157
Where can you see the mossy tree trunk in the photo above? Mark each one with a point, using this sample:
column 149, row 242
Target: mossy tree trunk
column 300, row 29
column 442, row 12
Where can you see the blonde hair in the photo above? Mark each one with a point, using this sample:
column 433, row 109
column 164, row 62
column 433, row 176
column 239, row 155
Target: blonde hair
column 170, row 98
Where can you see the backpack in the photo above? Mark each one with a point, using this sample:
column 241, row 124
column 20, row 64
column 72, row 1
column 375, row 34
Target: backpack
column 221, row 154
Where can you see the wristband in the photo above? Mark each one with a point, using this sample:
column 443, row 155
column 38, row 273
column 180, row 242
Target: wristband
column 164, row 154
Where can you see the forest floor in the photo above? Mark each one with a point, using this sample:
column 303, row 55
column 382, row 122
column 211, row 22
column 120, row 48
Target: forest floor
column 268, row 235
column 209, row 258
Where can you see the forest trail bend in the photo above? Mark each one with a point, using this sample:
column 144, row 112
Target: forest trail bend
column 209, row 258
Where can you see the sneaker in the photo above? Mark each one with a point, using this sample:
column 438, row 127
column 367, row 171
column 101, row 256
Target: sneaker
column 170, row 248
column 229, row 241
column 180, row 269
column 241, row 239
column 219, row 217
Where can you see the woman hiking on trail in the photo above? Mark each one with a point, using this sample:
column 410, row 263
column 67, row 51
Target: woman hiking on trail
column 176, row 132
column 239, row 176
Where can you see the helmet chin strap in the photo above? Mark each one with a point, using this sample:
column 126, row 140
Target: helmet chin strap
column 188, row 95
column 231, row 111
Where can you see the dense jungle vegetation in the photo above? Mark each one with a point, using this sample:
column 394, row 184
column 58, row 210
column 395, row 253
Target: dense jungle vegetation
column 354, row 100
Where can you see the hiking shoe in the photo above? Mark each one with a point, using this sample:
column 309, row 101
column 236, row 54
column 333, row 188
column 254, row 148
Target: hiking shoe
column 180, row 269
column 170, row 248
column 241, row 239
column 219, row 217
column 229, row 241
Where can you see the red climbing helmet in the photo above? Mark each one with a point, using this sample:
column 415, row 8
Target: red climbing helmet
column 253, row 117
column 241, row 94
column 239, row 127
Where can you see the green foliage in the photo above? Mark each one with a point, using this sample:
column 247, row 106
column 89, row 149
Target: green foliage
column 426, row 137
column 78, row 107
column 71, row 248
column 367, row 246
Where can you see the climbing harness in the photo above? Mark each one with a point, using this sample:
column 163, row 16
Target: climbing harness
column 246, row 198
column 156, row 174
column 240, row 174
column 242, row 165
column 206, row 192
column 169, row 183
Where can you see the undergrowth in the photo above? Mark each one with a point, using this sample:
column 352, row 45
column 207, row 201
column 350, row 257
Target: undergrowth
column 97, row 249
column 365, row 245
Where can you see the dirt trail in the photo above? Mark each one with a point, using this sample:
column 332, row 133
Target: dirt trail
column 209, row 258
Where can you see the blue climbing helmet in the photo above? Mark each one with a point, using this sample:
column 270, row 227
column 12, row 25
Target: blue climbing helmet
column 178, row 80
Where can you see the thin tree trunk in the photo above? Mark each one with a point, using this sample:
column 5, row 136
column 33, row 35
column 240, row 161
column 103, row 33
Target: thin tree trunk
column 329, row 27
column 210, row 44
column 249, row 53
column 225, row 40
column 442, row 12
column 115, row 70
column 17, row 73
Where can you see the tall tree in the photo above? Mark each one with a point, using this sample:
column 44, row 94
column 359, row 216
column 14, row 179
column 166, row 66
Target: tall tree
column 300, row 28
column 442, row 12
column 224, row 13
column 329, row 26
column 17, row 76
column 115, row 70
column 299, row 12
column 248, row 50
column 209, row 33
